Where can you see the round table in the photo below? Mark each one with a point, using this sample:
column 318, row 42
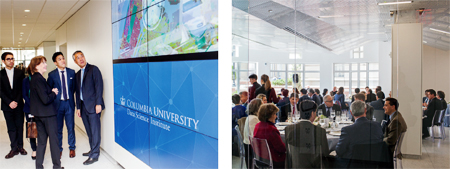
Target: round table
column 332, row 139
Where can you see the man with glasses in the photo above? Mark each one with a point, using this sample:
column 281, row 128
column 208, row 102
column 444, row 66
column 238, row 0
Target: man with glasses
column 12, row 103
column 89, row 94
column 328, row 106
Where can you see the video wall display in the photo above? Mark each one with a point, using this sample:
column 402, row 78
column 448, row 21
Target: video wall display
column 166, row 107
column 144, row 28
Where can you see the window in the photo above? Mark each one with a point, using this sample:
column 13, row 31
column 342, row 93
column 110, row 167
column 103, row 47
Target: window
column 21, row 55
column 358, row 53
column 356, row 75
column 241, row 71
column 281, row 75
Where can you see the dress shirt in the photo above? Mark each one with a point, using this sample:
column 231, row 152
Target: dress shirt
column 10, row 74
column 67, row 87
column 392, row 115
column 81, row 85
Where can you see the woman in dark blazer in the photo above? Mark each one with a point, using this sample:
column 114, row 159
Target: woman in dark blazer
column 41, row 99
column 26, row 107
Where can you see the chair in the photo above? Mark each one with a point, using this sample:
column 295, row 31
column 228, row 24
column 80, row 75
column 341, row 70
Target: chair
column 438, row 119
column 241, row 146
column 378, row 115
column 262, row 157
column 398, row 151
column 375, row 155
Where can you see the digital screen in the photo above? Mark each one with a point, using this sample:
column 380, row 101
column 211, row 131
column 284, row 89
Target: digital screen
column 168, row 111
column 145, row 28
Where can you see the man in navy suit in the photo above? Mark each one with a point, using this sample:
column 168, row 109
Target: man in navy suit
column 90, row 103
column 63, row 79
column 362, row 131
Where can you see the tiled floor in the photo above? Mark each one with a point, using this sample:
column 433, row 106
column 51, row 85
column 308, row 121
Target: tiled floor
column 25, row 161
column 434, row 155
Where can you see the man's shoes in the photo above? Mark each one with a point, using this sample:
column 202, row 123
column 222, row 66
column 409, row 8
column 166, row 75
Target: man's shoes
column 424, row 137
column 90, row 161
column 60, row 154
column 22, row 151
column 87, row 154
column 72, row 154
column 11, row 154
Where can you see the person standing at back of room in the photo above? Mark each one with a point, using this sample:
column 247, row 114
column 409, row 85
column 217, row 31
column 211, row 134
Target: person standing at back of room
column 89, row 94
column 12, row 103
column 63, row 78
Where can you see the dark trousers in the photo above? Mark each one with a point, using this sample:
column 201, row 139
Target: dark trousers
column 66, row 113
column 32, row 140
column 248, row 155
column 92, row 124
column 14, row 123
column 46, row 127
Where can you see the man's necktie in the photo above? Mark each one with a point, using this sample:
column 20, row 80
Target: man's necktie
column 64, row 85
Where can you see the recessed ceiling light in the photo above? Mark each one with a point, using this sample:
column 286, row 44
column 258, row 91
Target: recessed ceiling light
column 19, row 45
column 20, row 38
column 21, row 33
column 424, row 41
column 395, row 3
column 20, row 42
column 27, row 10
column 24, row 24
column 330, row 16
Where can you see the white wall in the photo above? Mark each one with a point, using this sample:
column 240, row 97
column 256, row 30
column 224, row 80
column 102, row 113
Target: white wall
column 46, row 49
column 89, row 30
column 435, row 70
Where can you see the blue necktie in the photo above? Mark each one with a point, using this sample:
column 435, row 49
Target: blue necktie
column 64, row 85
column 81, row 86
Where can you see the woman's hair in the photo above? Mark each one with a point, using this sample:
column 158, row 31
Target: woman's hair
column 35, row 62
column 236, row 98
column 325, row 91
column 261, row 96
column 296, row 90
column 266, row 111
column 370, row 91
column 341, row 90
column 28, row 71
column 254, row 106
column 266, row 81
column 317, row 91
column 441, row 94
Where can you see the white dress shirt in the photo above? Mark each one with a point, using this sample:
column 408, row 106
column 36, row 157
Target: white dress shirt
column 10, row 74
column 67, row 87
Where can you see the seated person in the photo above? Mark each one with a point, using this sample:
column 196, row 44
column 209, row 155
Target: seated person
column 328, row 105
column 289, row 108
column 262, row 97
column 369, row 109
column 305, row 133
column 304, row 96
column 362, row 131
column 285, row 99
column 238, row 111
column 249, row 127
column 396, row 125
column 441, row 96
column 244, row 98
column 379, row 103
column 266, row 129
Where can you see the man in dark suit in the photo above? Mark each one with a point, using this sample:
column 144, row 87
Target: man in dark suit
column 328, row 105
column 12, row 103
column 425, row 99
column 302, row 134
column 370, row 96
column 379, row 103
column 304, row 95
column 313, row 96
column 433, row 105
column 251, row 91
column 90, row 103
column 363, row 131
column 286, row 109
column 396, row 125
column 356, row 92
column 63, row 79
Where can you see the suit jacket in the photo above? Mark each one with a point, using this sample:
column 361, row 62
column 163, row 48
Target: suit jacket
column 92, row 88
column 371, row 97
column 268, row 131
column 41, row 97
column 284, row 110
column 26, row 94
column 377, row 105
column 444, row 104
column 304, row 97
column 316, row 99
column 7, row 94
column 251, row 91
column 324, row 110
column 293, row 137
column 321, row 99
column 54, row 81
column 433, row 105
column 261, row 90
column 362, row 131
column 396, row 126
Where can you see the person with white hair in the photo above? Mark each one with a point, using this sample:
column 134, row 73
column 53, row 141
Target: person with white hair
column 363, row 131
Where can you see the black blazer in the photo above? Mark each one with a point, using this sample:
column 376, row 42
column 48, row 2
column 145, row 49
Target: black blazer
column 41, row 97
column 284, row 110
column 433, row 105
column 371, row 97
column 92, row 88
column 7, row 94
column 324, row 110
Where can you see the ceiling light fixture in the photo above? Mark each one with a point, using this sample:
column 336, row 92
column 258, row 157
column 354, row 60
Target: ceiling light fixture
column 21, row 33
column 20, row 38
column 424, row 41
column 27, row 10
column 387, row 25
column 330, row 16
column 395, row 3
column 437, row 30
column 270, row 10
column 24, row 24
column 375, row 33
column 20, row 42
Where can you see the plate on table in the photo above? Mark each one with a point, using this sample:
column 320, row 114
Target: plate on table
column 335, row 133
column 346, row 122
column 283, row 123
column 281, row 127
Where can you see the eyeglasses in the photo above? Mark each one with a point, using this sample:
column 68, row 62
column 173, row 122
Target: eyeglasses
column 9, row 59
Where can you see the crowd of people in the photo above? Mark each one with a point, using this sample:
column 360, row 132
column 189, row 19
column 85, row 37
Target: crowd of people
column 51, row 102
column 264, row 109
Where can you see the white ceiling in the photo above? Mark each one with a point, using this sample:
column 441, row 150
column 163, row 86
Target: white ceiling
column 361, row 21
column 44, row 18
